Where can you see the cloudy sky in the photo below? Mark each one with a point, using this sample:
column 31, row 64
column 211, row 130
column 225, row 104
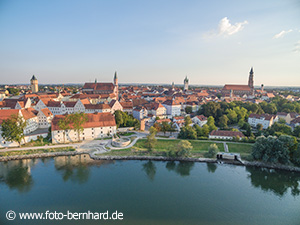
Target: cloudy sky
column 157, row 41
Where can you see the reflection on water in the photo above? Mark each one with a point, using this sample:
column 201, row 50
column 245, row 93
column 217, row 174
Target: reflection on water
column 17, row 174
column 181, row 168
column 211, row 167
column 77, row 168
column 150, row 169
column 277, row 182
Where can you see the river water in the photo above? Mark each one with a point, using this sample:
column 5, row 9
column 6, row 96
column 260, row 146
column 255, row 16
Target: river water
column 148, row 192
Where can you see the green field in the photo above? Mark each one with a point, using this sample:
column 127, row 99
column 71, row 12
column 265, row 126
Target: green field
column 163, row 145
column 199, row 148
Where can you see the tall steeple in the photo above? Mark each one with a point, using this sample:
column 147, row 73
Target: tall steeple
column 186, row 84
column 251, row 79
column 116, row 84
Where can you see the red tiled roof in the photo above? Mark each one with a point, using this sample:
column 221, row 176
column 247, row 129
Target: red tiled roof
column 235, row 87
column 259, row 116
column 70, row 104
column 99, row 86
column 201, row 117
column 53, row 104
column 97, row 106
column 127, row 105
column 6, row 113
column 85, row 101
column 46, row 112
column 29, row 113
column 163, row 120
column 94, row 120
column 170, row 102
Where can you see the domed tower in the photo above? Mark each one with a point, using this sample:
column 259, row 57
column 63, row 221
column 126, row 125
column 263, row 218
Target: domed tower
column 34, row 84
column 116, row 84
column 186, row 84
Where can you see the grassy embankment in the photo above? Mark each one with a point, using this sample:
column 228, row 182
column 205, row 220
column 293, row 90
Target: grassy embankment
column 36, row 151
column 199, row 148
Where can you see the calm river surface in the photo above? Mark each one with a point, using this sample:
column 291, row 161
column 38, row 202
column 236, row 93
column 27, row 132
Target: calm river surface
column 149, row 192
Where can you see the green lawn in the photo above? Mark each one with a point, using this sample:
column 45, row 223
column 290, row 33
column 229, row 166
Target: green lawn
column 163, row 145
column 199, row 148
column 240, row 147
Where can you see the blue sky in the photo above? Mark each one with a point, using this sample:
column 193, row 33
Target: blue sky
column 212, row 42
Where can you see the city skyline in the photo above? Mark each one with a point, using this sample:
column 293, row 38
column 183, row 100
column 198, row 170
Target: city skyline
column 151, row 42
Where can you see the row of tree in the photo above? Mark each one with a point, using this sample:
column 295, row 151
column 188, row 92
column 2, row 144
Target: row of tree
column 73, row 121
column 283, row 149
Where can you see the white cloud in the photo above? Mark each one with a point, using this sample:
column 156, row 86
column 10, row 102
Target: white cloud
column 225, row 28
column 297, row 47
column 282, row 33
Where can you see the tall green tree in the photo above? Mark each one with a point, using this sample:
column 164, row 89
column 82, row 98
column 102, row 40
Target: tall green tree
column 77, row 120
column 184, row 148
column 151, row 141
column 13, row 129
column 165, row 126
column 187, row 121
column 223, row 121
column 211, row 123
column 64, row 124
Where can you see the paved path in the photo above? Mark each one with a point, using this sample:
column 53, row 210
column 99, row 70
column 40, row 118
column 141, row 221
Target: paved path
column 38, row 147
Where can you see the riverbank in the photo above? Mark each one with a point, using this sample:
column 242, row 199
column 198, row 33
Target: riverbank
column 41, row 155
column 154, row 158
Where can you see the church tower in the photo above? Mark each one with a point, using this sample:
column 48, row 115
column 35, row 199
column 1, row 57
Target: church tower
column 251, row 79
column 186, row 84
column 34, row 84
column 116, row 84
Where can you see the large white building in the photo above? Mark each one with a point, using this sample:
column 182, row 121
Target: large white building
column 99, row 125
column 266, row 120
column 173, row 108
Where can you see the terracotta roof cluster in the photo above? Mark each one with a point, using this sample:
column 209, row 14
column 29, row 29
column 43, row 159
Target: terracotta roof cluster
column 99, row 86
column 163, row 120
column 171, row 102
column 235, row 87
column 227, row 133
column 153, row 106
column 127, row 105
column 94, row 120
column 86, row 96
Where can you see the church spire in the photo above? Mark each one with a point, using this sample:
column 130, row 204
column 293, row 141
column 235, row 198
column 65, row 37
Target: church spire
column 251, row 79
column 115, row 76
